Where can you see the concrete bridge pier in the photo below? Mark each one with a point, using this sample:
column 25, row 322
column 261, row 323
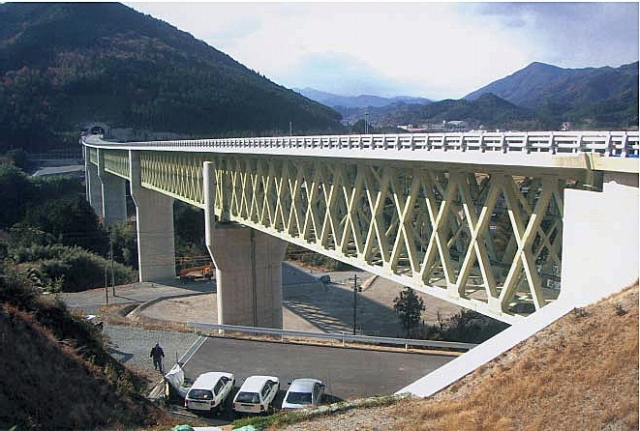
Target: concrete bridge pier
column 92, row 184
column 248, row 267
column 113, row 195
column 248, row 276
column 154, row 224
column 600, row 249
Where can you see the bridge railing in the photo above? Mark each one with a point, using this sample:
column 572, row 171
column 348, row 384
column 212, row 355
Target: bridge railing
column 608, row 144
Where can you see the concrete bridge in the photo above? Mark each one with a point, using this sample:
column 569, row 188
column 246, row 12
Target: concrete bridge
column 502, row 223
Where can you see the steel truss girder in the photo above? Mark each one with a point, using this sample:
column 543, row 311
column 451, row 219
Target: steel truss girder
column 175, row 174
column 484, row 239
column 445, row 231
column 117, row 162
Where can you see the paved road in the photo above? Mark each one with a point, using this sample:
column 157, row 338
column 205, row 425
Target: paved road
column 309, row 305
column 347, row 372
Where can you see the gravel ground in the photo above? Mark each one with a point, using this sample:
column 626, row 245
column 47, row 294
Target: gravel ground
column 132, row 345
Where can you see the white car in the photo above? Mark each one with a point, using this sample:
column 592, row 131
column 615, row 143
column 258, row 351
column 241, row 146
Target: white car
column 303, row 393
column 209, row 391
column 256, row 394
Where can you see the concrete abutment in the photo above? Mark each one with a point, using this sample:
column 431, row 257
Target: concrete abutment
column 600, row 240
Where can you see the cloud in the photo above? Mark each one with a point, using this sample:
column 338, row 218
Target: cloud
column 573, row 34
column 436, row 50
column 342, row 73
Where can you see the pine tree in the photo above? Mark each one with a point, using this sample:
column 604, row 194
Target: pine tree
column 409, row 307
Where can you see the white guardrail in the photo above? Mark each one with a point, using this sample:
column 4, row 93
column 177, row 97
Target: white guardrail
column 344, row 338
column 608, row 143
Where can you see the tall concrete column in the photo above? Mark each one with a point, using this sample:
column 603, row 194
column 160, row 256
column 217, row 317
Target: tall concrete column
column 154, row 219
column 600, row 240
column 92, row 184
column 114, row 204
column 248, row 268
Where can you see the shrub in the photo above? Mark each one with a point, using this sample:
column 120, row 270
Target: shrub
column 74, row 268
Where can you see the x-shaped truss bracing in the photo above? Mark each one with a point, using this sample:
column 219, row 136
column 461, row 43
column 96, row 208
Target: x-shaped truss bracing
column 486, row 240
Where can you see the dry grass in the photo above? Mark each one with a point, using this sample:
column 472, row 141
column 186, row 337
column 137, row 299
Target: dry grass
column 68, row 382
column 581, row 373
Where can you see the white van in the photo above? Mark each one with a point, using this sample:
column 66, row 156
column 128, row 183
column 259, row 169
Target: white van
column 209, row 391
column 256, row 395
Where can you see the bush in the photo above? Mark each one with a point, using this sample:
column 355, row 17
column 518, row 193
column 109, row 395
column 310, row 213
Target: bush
column 467, row 326
column 16, row 289
column 73, row 267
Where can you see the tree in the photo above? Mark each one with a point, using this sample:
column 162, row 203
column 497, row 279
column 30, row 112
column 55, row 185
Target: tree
column 15, row 191
column 123, row 242
column 71, row 222
column 20, row 159
column 409, row 307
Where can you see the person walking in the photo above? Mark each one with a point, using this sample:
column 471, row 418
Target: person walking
column 157, row 354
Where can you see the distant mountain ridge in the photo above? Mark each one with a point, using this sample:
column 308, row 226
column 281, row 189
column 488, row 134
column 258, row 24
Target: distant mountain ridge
column 361, row 101
column 65, row 64
column 539, row 83
column 540, row 96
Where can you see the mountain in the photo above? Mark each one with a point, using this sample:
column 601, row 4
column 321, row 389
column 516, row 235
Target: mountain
column 363, row 101
column 65, row 64
column 488, row 111
column 540, row 96
column 541, row 83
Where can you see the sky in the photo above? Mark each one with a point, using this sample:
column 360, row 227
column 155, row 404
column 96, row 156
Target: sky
column 434, row 50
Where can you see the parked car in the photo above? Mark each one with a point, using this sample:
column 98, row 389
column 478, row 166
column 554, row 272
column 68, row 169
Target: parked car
column 95, row 321
column 209, row 391
column 303, row 393
column 256, row 395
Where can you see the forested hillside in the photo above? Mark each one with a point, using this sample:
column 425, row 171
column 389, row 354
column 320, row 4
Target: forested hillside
column 604, row 97
column 65, row 64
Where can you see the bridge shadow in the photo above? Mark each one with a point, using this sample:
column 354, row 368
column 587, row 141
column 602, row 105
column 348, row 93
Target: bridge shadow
column 201, row 285
column 330, row 306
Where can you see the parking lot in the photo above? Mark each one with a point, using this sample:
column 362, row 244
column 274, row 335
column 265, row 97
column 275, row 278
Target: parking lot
column 348, row 373
column 309, row 305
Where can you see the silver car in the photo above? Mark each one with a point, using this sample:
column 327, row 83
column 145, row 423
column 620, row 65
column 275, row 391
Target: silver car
column 303, row 393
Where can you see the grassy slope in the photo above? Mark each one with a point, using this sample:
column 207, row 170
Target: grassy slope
column 580, row 373
column 53, row 383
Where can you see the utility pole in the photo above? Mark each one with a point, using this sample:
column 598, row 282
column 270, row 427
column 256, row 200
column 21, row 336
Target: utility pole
column 356, row 289
column 113, row 281
column 366, row 122
column 106, row 286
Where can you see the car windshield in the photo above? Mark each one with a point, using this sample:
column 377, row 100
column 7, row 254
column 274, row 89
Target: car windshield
column 248, row 397
column 200, row 394
column 299, row 398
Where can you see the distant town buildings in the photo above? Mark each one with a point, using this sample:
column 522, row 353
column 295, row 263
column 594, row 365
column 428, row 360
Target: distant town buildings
column 442, row 127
